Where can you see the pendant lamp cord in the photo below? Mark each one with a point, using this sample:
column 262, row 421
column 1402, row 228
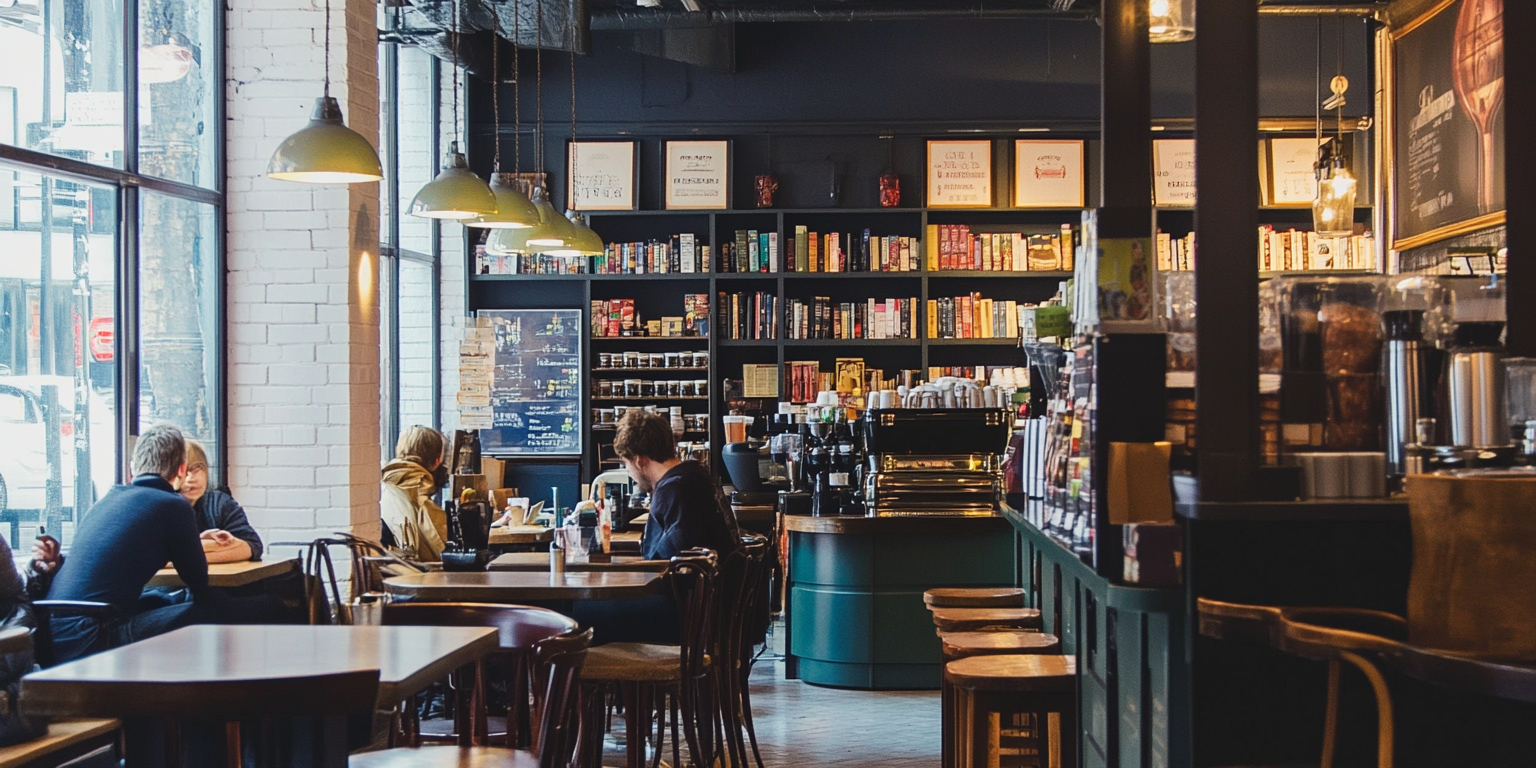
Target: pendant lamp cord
column 327, row 90
column 574, row 154
column 456, row 60
column 1317, row 83
column 1339, row 125
column 538, row 63
column 517, row 89
column 496, row 87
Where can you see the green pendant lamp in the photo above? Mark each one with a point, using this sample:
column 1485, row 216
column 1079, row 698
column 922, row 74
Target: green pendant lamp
column 513, row 208
column 326, row 151
column 505, row 242
column 457, row 194
column 554, row 230
column 585, row 241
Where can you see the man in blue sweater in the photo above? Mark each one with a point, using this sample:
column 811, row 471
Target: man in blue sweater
column 128, row 536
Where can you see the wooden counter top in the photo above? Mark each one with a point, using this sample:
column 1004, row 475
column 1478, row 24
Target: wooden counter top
column 920, row 525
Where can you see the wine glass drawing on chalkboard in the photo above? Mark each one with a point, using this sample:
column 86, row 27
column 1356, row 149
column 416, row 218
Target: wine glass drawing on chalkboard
column 1479, row 70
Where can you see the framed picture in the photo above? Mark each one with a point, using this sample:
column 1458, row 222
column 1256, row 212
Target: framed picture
column 960, row 173
column 1447, row 123
column 1287, row 170
column 1047, row 174
column 603, row 176
column 698, row 175
column 1173, row 173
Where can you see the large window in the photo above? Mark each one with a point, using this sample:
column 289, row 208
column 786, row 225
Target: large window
column 408, row 276
column 58, row 382
column 111, row 261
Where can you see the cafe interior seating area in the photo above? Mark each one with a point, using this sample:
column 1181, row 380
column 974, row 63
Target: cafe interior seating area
column 767, row 384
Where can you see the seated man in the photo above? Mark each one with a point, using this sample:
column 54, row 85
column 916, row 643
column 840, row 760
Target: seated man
column 128, row 536
column 685, row 514
column 226, row 534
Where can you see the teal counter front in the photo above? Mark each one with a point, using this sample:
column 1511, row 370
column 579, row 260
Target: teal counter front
column 854, row 610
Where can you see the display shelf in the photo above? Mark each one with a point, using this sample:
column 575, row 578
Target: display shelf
column 1043, row 274
column 679, row 369
column 1009, row 341
column 648, row 338
column 749, row 342
column 520, row 278
column 852, row 342
column 644, row 398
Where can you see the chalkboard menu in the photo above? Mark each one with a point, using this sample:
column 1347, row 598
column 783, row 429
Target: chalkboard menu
column 1449, row 113
column 536, row 383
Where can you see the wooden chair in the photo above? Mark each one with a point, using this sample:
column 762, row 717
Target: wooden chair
column 558, row 663
column 520, row 628
column 960, row 645
column 44, row 611
column 974, row 597
column 1017, row 710
column 741, row 596
column 1333, row 635
column 645, row 675
column 985, row 619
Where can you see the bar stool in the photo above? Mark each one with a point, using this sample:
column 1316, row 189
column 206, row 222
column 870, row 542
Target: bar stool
column 974, row 597
column 959, row 645
column 984, row 619
column 1001, row 697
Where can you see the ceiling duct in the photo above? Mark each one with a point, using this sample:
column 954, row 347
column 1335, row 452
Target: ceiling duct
column 486, row 16
column 634, row 18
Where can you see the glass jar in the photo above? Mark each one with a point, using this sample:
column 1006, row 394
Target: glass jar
column 647, row 389
column 632, row 388
column 631, row 359
column 669, row 360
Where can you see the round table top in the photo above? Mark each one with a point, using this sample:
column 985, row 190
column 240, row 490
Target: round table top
column 1042, row 673
column 539, row 562
column 970, row 619
column 519, row 586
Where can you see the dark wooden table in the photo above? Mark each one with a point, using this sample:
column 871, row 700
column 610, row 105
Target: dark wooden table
column 229, row 574
column 520, row 586
column 539, row 562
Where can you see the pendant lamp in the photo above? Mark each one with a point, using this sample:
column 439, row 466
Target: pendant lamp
column 457, row 193
column 326, row 151
column 1333, row 210
column 513, row 208
column 583, row 241
column 1170, row 21
column 552, row 231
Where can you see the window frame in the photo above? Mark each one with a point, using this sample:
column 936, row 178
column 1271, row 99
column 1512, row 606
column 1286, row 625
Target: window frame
column 127, row 182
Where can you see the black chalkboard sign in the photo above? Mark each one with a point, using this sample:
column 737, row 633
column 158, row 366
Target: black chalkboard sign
column 537, row 382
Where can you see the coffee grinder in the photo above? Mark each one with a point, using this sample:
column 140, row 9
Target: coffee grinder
column 1412, row 363
column 1475, row 373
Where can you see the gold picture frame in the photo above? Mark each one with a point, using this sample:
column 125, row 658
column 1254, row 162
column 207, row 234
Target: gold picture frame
column 1048, row 173
column 959, row 173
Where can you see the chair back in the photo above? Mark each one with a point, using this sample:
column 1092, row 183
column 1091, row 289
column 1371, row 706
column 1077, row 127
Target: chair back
column 44, row 611
column 691, row 578
column 757, row 613
column 557, row 673
column 518, row 627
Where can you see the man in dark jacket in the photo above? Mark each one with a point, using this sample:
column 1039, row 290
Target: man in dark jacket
column 129, row 535
column 685, row 514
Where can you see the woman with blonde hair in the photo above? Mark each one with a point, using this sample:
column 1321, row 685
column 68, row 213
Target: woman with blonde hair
column 226, row 534
column 418, row 526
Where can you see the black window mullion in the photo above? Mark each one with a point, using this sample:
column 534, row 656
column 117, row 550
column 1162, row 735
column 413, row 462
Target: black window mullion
column 126, row 337
column 131, row 86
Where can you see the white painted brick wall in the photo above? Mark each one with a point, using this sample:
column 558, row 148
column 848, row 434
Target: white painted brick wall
column 303, row 312
column 454, row 301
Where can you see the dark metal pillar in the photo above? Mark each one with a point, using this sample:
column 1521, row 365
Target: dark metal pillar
column 1520, row 175
column 1126, row 122
column 1226, row 272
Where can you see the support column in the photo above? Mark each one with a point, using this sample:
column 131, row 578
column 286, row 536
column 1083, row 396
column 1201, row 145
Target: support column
column 1520, row 175
column 303, row 278
column 1226, row 274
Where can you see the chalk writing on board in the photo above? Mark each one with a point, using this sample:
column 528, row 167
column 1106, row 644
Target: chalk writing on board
column 537, row 381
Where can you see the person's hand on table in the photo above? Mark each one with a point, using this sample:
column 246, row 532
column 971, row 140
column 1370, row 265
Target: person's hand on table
column 45, row 555
column 222, row 547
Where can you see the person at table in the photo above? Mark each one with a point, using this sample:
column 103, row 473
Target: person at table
column 226, row 534
column 417, row 526
column 685, row 514
column 129, row 535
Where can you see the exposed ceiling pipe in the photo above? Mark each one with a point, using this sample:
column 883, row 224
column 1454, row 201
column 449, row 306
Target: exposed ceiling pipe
column 1359, row 10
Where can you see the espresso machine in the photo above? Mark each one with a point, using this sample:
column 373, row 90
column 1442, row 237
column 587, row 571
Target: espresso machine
column 934, row 461
column 1411, row 318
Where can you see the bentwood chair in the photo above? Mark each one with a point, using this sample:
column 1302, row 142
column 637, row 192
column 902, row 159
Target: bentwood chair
column 646, row 675
column 741, row 596
column 558, row 663
column 44, row 611
column 520, row 629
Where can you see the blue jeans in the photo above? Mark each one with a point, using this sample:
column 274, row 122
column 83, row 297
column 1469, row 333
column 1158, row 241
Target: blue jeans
column 76, row 636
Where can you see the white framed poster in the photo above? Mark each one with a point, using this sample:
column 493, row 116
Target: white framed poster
column 1047, row 174
column 698, row 175
column 960, row 173
column 1288, row 174
column 602, row 175
column 1173, row 173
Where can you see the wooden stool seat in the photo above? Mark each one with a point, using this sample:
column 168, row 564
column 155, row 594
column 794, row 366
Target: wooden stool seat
column 960, row 645
column 974, row 597
column 977, row 619
column 1014, row 673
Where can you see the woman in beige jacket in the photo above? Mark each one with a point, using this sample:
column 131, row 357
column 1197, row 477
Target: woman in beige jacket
column 419, row 526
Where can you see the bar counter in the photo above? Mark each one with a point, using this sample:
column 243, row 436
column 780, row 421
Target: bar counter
column 855, row 616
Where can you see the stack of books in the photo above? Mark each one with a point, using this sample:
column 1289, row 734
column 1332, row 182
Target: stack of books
column 973, row 317
column 822, row 318
column 681, row 254
column 748, row 315
column 956, row 247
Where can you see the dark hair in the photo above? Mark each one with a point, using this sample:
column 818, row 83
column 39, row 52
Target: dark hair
column 645, row 434
column 160, row 450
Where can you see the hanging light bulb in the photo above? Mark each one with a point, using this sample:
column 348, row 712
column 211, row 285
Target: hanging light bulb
column 456, row 194
column 1171, row 21
column 513, row 208
column 1333, row 212
column 586, row 241
column 553, row 230
column 326, row 151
